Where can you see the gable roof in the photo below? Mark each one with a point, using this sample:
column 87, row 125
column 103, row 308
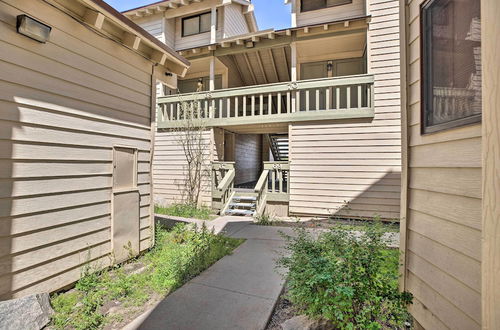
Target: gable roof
column 164, row 5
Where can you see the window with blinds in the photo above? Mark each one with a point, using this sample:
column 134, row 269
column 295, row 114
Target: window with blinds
column 451, row 64
column 308, row 5
column 196, row 24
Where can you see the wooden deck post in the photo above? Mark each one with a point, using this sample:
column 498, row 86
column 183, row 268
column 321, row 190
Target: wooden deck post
column 490, row 28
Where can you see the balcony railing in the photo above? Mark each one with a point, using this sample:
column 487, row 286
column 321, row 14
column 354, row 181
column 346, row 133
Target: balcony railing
column 304, row 100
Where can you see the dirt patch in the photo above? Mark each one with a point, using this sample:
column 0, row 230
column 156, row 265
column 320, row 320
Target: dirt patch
column 283, row 311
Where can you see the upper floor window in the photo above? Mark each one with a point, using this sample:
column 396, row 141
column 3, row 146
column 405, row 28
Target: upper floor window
column 308, row 5
column 451, row 64
column 196, row 24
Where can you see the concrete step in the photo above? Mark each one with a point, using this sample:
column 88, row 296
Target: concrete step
column 243, row 205
column 240, row 212
column 244, row 198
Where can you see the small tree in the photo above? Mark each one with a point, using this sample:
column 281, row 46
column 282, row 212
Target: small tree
column 190, row 136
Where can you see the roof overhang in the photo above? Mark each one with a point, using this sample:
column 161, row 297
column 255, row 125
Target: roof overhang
column 170, row 6
column 105, row 20
column 276, row 38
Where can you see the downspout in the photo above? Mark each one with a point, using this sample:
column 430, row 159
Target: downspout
column 152, row 116
column 404, row 145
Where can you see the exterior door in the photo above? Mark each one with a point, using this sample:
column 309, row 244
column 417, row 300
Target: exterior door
column 125, row 205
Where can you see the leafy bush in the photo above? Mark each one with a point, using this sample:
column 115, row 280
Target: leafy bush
column 185, row 211
column 347, row 278
column 264, row 219
column 178, row 255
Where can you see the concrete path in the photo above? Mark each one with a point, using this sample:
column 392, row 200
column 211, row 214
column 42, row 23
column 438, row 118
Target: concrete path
column 237, row 292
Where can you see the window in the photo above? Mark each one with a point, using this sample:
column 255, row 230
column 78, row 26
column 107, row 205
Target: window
column 308, row 5
column 196, row 24
column 451, row 64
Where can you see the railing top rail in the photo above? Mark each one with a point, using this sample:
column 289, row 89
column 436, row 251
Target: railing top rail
column 223, row 165
column 279, row 165
column 262, row 180
column 226, row 181
column 270, row 88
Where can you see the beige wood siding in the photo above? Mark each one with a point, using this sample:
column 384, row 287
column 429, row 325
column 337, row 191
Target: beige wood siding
column 248, row 157
column 443, row 251
column 169, row 164
column 354, row 9
column 154, row 25
column 354, row 169
column 64, row 105
column 234, row 21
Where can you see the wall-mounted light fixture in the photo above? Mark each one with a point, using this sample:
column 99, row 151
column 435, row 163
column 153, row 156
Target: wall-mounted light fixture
column 33, row 29
column 169, row 74
column 329, row 66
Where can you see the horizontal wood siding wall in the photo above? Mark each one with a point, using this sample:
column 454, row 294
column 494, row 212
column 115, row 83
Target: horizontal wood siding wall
column 444, row 212
column 169, row 165
column 356, row 8
column 354, row 169
column 234, row 21
column 154, row 25
column 63, row 106
column 248, row 157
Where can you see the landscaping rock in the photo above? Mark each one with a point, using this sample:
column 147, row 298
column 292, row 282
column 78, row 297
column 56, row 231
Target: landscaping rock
column 302, row 322
column 27, row 313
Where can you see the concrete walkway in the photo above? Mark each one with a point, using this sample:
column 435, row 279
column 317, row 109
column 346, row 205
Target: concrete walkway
column 237, row 292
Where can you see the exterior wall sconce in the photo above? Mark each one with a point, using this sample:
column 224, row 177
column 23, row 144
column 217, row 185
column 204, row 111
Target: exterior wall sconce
column 32, row 28
column 329, row 66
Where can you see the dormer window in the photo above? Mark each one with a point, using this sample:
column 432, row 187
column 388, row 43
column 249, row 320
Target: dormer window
column 308, row 5
column 196, row 24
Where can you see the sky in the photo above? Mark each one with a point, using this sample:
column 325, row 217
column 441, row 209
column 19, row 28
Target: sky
column 270, row 13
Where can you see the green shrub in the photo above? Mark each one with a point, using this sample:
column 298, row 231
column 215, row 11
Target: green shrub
column 264, row 219
column 185, row 211
column 347, row 278
column 178, row 255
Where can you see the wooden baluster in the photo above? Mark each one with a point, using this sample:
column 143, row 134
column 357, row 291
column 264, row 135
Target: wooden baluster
column 252, row 108
column 212, row 110
column 307, row 100
column 297, row 100
column 280, row 180
column 327, row 98
column 337, row 98
column 359, row 97
column 179, row 114
column 221, row 106
column 348, row 101
column 317, row 99
column 273, row 179
column 288, row 103
column 244, row 106
column 279, row 103
column 198, row 110
column 270, row 104
column 171, row 116
column 236, row 106
column 261, row 104
column 228, row 110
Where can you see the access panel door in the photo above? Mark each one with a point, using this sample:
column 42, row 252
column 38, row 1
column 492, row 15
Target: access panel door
column 126, row 200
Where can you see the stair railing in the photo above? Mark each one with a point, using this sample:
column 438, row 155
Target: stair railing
column 261, row 189
column 223, row 174
column 278, row 181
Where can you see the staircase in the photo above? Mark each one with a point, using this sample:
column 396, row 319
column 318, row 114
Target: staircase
column 279, row 146
column 243, row 203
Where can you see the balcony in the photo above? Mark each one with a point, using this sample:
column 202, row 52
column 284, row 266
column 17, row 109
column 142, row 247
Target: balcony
column 348, row 97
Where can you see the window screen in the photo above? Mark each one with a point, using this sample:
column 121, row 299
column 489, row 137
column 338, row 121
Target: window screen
column 451, row 58
column 190, row 26
column 205, row 22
